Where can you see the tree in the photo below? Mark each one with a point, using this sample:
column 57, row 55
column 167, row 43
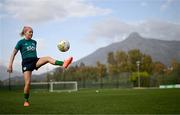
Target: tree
column 158, row 68
column 172, row 73
column 147, row 63
column 121, row 65
column 101, row 72
column 1, row 83
column 122, row 61
column 112, row 65
column 144, row 78
column 176, row 72
column 174, row 63
column 111, row 58
column 134, row 56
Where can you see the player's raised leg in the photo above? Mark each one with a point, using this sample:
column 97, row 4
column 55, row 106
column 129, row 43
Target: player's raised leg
column 43, row 60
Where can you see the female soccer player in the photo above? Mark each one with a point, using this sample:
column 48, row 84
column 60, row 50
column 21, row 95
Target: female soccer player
column 30, row 61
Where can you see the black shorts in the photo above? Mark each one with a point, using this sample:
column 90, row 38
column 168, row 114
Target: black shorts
column 29, row 64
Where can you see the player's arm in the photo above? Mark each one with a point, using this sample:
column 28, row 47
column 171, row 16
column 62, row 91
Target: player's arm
column 10, row 65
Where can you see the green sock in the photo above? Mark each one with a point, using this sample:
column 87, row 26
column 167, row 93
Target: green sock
column 57, row 62
column 26, row 96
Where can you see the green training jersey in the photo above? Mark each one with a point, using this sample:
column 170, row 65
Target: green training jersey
column 27, row 48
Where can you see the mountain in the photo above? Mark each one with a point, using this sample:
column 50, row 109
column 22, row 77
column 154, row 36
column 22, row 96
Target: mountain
column 17, row 77
column 159, row 50
column 5, row 75
column 20, row 80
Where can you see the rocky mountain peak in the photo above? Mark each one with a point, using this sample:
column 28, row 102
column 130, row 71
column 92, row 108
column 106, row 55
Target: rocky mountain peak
column 134, row 37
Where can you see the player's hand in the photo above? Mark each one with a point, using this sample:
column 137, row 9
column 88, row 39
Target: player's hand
column 10, row 69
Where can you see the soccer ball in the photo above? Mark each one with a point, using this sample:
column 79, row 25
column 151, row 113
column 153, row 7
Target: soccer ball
column 63, row 45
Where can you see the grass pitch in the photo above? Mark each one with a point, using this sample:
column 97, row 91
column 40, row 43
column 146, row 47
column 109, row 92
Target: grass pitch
column 106, row 101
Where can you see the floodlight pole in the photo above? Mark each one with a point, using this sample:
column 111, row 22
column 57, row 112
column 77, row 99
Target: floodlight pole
column 9, row 81
column 138, row 64
column 47, row 77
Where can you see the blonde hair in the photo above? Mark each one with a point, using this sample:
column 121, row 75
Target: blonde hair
column 25, row 28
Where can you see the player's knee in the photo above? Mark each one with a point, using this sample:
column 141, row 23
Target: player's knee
column 27, row 84
column 48, row 58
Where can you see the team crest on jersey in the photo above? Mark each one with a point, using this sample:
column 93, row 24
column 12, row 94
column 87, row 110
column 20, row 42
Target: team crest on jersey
column 24, row 68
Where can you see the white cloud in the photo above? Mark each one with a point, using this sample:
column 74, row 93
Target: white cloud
column 44, row 10
column 160, row 30
column 166, row 4
column 109, row 29
column 116, row 30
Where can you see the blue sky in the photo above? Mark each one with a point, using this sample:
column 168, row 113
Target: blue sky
column 86, row 24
